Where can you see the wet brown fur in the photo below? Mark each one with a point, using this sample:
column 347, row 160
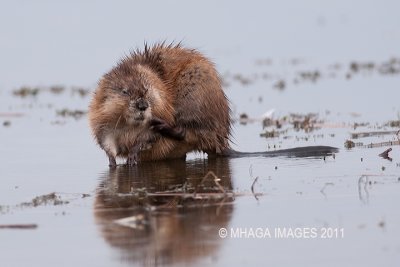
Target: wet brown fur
column 190, row 97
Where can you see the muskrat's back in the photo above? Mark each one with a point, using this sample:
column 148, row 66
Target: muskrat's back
column 182, row 106
column 200, row 104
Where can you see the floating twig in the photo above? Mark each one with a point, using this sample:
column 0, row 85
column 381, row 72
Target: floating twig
column 324, row 187
column 252, row 188
column 362, row 184
column 385, row 154
column 18, row 226
column 370, row 134
column 215, row 180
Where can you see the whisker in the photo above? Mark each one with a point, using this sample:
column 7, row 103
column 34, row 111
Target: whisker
column 117, row 122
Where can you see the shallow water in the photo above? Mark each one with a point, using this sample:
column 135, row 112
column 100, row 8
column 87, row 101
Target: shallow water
column 170, row 214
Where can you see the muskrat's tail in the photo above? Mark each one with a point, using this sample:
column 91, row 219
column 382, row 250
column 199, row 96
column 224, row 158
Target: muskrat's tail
column 307, row 151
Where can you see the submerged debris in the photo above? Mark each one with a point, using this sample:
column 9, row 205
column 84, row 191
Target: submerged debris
column 349, row 144
column 324, row 187
column 11, row 114
column 363, row 192
column 382, row 224
column 360, row 66
column 280, row 85
column 270, row 134
column 49, row 199
column 252, row 188
column 76, row 114
column 266, row 61
column 385, row 154
column 214, row 186
column 242, row 79
column 207, row 190
column 394, row 124
column 360, row 124
column 25, row 91
column 57, row 89
column 18, row 226
column 305, row 122
column 312, row 76
column 53, row 199
column 390, row 67
column 369, row 134
column 243, row 118
column 353, row 69
column 298, row 122
column 82, row 92
column 139, row 221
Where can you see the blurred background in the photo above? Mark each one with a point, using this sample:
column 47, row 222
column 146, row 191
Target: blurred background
column 74, row 42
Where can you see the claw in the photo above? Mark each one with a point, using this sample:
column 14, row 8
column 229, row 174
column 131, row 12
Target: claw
column 133, row 155
column 111, row 162
column 156, row 121
column 162, row 127
column 132, row 160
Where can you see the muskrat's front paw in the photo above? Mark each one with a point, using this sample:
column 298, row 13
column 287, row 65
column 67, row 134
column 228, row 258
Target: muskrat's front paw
column 159, row 125
column 156, row 121
column 165, row 129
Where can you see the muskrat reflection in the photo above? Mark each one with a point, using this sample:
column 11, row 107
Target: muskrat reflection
column 165, row 212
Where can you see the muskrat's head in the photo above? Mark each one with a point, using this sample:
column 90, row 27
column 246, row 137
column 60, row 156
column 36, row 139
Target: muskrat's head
column 129, row 94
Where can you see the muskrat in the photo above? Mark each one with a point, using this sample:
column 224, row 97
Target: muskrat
column 163, row 102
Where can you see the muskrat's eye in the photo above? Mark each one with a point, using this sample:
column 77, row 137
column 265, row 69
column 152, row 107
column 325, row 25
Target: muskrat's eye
column 125, row 92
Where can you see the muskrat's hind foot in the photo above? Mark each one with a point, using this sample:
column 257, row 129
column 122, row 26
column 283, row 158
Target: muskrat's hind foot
column 162, row 127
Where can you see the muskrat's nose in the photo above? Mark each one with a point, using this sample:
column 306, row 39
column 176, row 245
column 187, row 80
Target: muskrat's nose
column 142, row 104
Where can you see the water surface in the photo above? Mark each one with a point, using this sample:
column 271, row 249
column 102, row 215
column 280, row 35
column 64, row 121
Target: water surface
column 174, row 214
